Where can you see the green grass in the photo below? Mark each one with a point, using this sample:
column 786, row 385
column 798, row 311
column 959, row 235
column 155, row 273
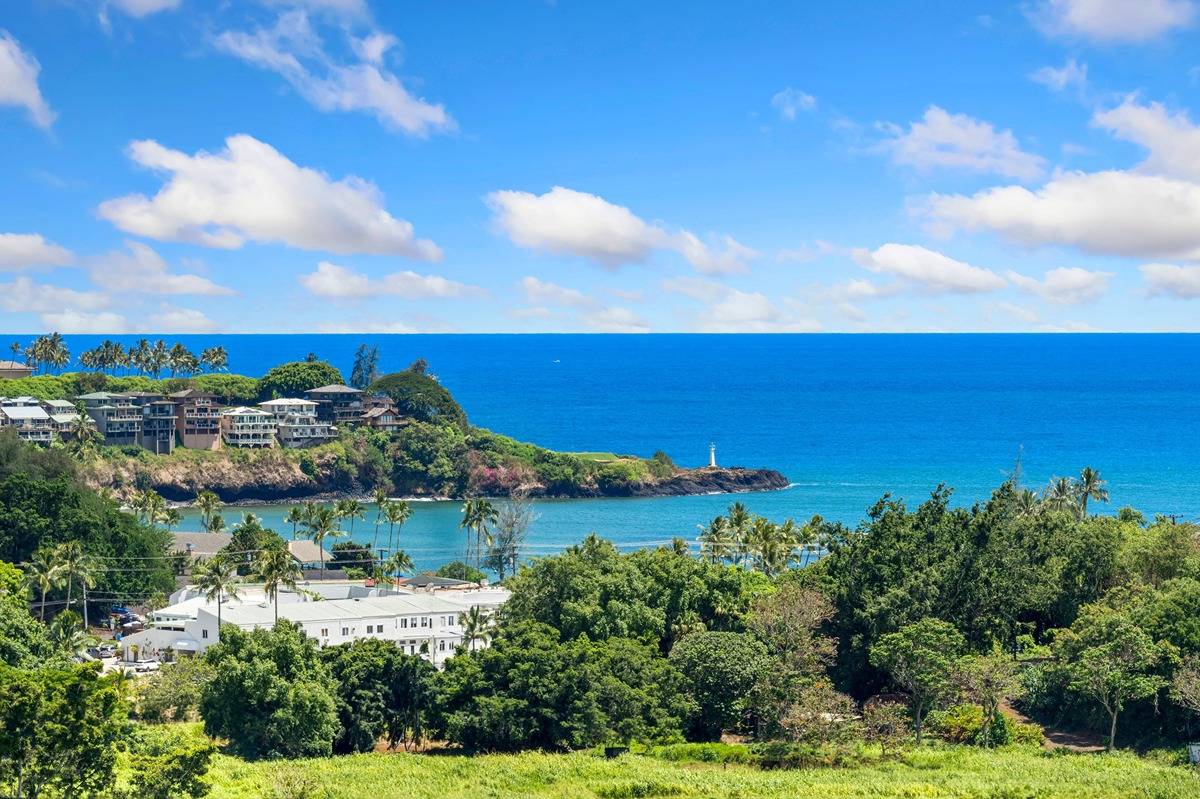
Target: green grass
column 961, row 772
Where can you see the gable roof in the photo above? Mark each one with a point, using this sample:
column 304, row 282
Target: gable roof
column 308, row 552
column 15, row 365
column 333, row 389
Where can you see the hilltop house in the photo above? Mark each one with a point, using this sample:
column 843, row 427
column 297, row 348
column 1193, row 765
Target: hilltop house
column 337, row 404
column 31, row 422
column 297, row 422
column 425, row 623
column 379, row 413
column 197, row 419
column 249, row 428
column 64, row 417
column 116, row 417
column 158, row 421
column 14, row 370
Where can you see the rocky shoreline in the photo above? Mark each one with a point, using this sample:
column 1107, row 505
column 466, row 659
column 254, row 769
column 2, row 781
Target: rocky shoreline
column 686, row 482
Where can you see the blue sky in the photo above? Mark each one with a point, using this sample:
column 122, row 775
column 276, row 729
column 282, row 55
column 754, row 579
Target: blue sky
column 345, row 166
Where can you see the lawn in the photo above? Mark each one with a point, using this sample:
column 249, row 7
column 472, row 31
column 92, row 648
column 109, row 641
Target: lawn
column 926, row 774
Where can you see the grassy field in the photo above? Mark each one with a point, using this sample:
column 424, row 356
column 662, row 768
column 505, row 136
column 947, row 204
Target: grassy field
column 962, row 772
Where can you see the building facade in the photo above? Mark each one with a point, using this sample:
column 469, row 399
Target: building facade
column 337, row 404
column 117, row 418
column 297, row 423
column 197, row 419
column 14, row 370
column 31, row 422
column 379, row 413
column 159, row 416
column 249, row 428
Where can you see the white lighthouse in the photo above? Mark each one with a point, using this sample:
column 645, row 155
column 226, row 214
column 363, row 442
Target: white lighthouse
column 712, row 456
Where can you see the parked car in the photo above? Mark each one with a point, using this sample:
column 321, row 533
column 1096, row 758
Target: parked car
column 140, row 666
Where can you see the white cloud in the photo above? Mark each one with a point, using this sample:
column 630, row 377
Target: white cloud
column 28, row 250
column 1064, row 285
column 250, row 191
column 1180, row 282
column 1172, row 140
column 541, row 292
column 143, row 8
column 349, row 10
column 567, row 222
column 1111, row 213
column 942, row 140
column 1112, row 21
column 19, row 81
column 366, row 326
column 615, row 320
column 929, row 270
column 730, row 310
column 790, row 102
column 181, row 320
column 1072, row 73
column 142, row 270
column 293, row 50
column 73, row 321
column 332, row 281
column 23, row 295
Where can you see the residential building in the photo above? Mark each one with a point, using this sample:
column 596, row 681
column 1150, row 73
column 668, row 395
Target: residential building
column 249, row 428
column 31, row 422
column 337, row 404
column 64, row 417
column 297, row 422
column 423, row 623
column 379, row 413
column 14, row 370
column 116, row 417
column 158, row 421
column 200, row 546
column 197, row 419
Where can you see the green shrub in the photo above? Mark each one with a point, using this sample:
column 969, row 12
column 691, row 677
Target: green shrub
column 787, row 755
column 959, row 724
column 1026, row 734
column 637, row 790
column 704, row 753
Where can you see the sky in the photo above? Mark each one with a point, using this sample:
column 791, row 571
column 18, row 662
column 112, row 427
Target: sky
column 183, row 166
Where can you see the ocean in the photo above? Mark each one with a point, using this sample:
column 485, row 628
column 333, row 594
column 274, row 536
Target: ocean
column 845, row 417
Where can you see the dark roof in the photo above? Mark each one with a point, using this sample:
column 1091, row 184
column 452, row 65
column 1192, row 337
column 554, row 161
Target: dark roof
column 189, row 393
column 314, row 575
column 333, row 389
column 427, row 580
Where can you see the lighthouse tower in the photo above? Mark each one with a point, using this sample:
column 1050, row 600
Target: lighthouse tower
column 712, row 456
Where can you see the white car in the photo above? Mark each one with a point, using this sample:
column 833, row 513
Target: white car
column 139, row 666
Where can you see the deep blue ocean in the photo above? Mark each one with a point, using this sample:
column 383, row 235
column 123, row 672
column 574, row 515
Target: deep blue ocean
column 845, row 417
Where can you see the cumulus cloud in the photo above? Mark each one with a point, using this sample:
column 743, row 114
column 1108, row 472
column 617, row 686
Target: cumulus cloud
column 1058, row 79
column 140, row 269
column 929, row 270
column 567, row 222
column 74, row 321
column 143, row 8
column 294, row 50
column 1171, row 280
column 19, row 81
column 1112, row 21
column 791, row 102
column 180, row 320
column 730, row 310
column 616, row 320
column 1172, row 140
column 1064, row 285
column 336, row 282
column 546, row 300
column 1110, row 213
column 541, row 292
column 30, row 250
column 23, row 295
column 941, row 140
column 250, row 191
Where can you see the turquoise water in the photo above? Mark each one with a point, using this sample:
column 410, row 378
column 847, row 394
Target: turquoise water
column 845, row 417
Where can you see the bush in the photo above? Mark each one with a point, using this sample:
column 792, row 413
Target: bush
column 293, row 379
column 1027, row 734
column 786, row 755
column 420, row 396
column 704, row 753
column 958, row 724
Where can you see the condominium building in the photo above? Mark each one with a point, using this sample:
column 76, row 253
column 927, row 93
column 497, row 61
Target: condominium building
column 337, row 404
column 297, row 422
column 117, row 418
column 159, row 419
column 197, row 419
column 250, row 428
column 31, row 422
column 64, row 417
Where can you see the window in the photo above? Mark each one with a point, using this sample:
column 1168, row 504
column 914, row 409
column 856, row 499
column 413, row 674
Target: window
column 204, row 633
column 424, row 621
column 345, row 631
column 370, row 629
column 324, row 632
column 441, row 646
column 404, row 623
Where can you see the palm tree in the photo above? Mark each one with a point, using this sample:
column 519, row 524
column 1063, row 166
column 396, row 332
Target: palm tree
column 478, row 514
column 1090, row 486
column 323, row 525
column 208, row 503
column 77, row 567
column 1026, row 503
column 150, row 506
column 139, row 356
column 171, row 518
column 87, row 437
column 716, row 544
column 43, row 574
column 216, row 524
column 398, row 563
column 476, row 626
column 349, row 509
column 381, row 499
column 1061, row 494
column 739, row 529
column 277, row 569
column 15, row 349
column 215, row 358
column 396, row 513
column 68, row 638
column 296, row 516
column 218, row 579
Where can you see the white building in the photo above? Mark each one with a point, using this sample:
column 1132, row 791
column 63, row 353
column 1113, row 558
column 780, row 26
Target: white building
column 297, row 422
column 248, row 427
column 31, row 422
column 419, row 622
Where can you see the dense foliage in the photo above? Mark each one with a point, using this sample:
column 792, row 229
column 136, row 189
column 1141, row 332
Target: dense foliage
column 420, row 396
column 293, row 379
